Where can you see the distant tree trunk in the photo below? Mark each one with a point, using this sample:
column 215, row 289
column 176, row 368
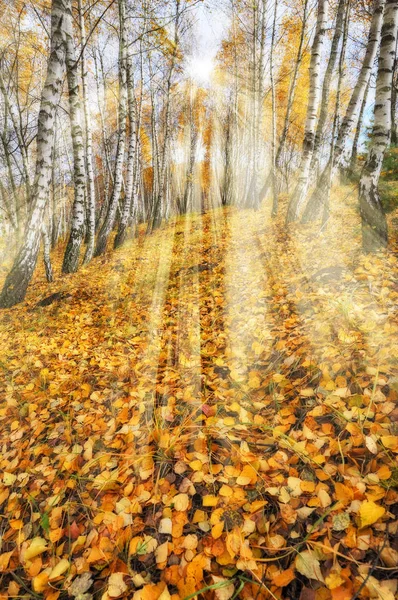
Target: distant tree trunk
column 21, row 142
column 275, row 183
column 350, row 119
column 90, row 208
column 193, row 140
column 374, row 224
column 346, row 19
column 300, row 191
column 158, row 204
column 17, row 281
column 258, row 50
column 226, row 191
column 290, row 101
column 46, row 254
column 109, row 221
column 77, row 231
column 107, row 171
column 327, row 82
column 12, row 203
column 9, row 206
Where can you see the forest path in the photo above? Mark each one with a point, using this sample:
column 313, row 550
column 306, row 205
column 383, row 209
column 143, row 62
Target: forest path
column 211, row 404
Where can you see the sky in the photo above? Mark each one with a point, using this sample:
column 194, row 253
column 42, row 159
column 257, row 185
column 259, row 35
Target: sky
column 208, row 32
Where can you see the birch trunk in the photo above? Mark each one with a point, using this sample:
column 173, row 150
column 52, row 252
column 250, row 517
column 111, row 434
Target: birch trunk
column 273, row 101
column 326, row 209
column 77, row 232
column 90, row 215
column 351, row 117
column 289, row 107
column 17, row 281
column 21, row 142
column 158, row 205
column 327, row 82
column 110, row 218
column 374, row 223
column 354, row 151
column 46, row 254
column 300, row 191
column 394, row 132
column 131, row 160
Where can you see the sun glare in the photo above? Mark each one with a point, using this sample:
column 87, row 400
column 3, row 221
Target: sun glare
column 200, row 68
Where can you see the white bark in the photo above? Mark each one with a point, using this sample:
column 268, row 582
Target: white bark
column 351, row 116
column 89, row 144
column 312, row 114
column 76, row 237
column 131, row 159
column 327, row 82
column 158, row 205
column 374, row 224
column 109, row 221
column 273, row 100
column 18, row 279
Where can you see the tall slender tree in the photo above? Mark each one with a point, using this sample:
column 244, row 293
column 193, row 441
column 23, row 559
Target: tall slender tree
column 110, row 218
column 17, row 281
column 300, row 191
column 78, row 225
column 90, row 187
column 316, row 200
column 374, row 224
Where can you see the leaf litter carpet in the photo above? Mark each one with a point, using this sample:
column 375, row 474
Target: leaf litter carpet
column 212, row 411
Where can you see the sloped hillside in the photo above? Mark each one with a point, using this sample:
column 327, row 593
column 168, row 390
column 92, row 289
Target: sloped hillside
column 211, row 410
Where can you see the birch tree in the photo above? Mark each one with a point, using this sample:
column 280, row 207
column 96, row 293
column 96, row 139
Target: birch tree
column 110, row 218
column 156, row 215
column 77, row 231
column 17, row 281
column 90, row 188
column 374, row 224
column 131, row 159
column 327, row 82
column 350, row 119
column 290, row 101
column 300, row 191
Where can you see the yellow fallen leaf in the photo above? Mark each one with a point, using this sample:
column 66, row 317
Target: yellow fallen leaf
column 37, row 546
column 210, row 500
column 165, row 595
column 40, row 582
column 324, row 498
column 161, row 553
column 9, row 478
column 196, row 465
column 217, row 530
column 390, row 442
column 248, row 475
column 4, row 560
column 59, row 569
column 181, row 502
column 334, row 580
column 226, row 491
column 369, row 513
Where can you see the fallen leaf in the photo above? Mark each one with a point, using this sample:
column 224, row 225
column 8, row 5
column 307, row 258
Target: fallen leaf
column 308, row 565
column 369, row 513
column 116, row 585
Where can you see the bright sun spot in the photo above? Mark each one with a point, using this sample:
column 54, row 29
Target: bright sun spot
column 200, row 68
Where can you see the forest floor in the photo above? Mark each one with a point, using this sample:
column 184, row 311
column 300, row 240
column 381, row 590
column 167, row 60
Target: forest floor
column 212, row 410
